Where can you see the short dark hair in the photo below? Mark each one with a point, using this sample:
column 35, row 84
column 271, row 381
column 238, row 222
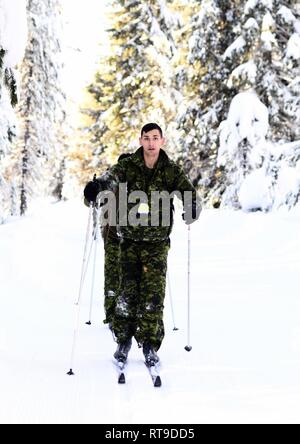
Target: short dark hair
column 150, row 127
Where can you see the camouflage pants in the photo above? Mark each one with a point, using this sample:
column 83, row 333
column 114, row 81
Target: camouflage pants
column 140, row 301
column 111, row 276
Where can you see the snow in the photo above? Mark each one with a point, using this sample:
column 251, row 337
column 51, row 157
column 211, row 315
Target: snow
column 245, row 363
column 263, row 175
column 251, row 23
column 13, row 30
column 236, row 46
column 285, row 150
column 267, row 3
column 287, row 186
column 171, row 18
column 7, row 120
column 247, row 119
column 297, row 26
column 286, row 14
column 268, row 22
column 252, row 4
column 246, row 71
column 293, row 49
column 267, row 36
column 255, row 192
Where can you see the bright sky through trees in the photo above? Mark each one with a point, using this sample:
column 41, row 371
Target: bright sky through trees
column 85, row 40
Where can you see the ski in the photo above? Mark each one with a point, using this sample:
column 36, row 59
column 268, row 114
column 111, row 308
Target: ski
column 154, row 373
column 121, row 372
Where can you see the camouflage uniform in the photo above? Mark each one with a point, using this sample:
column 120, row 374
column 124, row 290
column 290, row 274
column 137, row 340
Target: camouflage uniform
column 144, row 249
column 111, row 271
column 111, row 241
column 140, row 302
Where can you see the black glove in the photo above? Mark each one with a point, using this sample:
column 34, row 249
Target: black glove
column 92, row 190
column 191, row 214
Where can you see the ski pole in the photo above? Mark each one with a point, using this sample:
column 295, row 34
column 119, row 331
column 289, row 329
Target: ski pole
column 70, row 373
column 171, row 301
column 78, row 304
column 88, row 259
column 95, row 241
column 188, row 348
column 83, row 270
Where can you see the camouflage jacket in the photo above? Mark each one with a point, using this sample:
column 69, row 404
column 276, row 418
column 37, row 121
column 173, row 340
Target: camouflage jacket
column 167, row 176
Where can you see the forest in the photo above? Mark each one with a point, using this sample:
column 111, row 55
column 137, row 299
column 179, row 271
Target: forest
column 222, row 78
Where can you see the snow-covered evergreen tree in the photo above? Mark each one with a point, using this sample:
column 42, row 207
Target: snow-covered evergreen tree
column 134, row 83
column 207, row 97
column 262, row 175
column 265, row 57
column 285, row 162
column 236, row 47
column 243, row 144
column 39, row 152
column 13, row 35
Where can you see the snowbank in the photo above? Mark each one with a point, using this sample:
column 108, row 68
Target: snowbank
column 255, row 192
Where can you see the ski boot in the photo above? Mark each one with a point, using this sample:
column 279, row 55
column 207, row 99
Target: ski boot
column 121, row 354
column 151, row 357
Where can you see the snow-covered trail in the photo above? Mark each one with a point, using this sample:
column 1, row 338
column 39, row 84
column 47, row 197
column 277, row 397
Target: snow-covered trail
column 245, row 363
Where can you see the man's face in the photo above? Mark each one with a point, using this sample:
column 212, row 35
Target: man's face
column 152, row 143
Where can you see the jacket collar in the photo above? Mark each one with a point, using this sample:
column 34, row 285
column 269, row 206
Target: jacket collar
column 138, row 158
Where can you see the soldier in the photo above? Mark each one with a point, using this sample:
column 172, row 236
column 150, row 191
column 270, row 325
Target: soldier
column 144, row 245
column 111, row 241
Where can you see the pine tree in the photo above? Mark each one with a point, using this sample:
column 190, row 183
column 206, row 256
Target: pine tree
column 134, row 83
column 264, row 58
column 265, row 55
column 207, row 97
column 237, row 47
column 13, row 33
column 243, row 147
column 39, row 151
column 8, row 99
